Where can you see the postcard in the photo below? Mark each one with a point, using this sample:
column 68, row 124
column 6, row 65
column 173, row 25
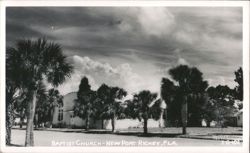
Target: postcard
column 124, row 76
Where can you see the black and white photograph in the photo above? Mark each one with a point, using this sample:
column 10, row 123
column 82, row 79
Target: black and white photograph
column 124, row 76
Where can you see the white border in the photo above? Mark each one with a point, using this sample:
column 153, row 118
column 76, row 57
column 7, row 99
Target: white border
column 243, row 4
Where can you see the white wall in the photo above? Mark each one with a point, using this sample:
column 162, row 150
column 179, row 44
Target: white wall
column 68, row 101
column 55, row 116
column 129, row 123
column 68, row 104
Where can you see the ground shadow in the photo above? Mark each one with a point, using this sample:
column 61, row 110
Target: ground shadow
column 138, row 134
column 15, row 145
column 166, row 135
column 239, row 134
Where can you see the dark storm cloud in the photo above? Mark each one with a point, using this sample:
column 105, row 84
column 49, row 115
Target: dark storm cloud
column 16, row 31
column 61, row 17
column 208, row 38
column 25, row 22
column 95, row 30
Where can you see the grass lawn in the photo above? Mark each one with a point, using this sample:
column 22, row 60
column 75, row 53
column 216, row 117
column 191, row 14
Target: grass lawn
column 130, row 137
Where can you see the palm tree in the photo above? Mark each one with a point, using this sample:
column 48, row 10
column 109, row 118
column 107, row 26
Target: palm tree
column 111, row 102
column 46, row 103
column 38, row 60
column 14, row 88
column 144, row 106
column 113, row 108
column 190, row 83
column 54, row 99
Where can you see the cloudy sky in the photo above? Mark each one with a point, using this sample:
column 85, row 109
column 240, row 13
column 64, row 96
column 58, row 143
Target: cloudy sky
column 135, row 47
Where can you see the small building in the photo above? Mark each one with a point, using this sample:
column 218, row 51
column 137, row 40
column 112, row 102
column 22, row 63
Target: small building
column 64, row 115
column 235, row 120
column 239, row 118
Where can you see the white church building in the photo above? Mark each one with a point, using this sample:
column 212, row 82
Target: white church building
column 64, row 117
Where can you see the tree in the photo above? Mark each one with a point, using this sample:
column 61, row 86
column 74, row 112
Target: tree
column 196, row 105
column 111, row 102
column 144, row 106
column 221, row 103
column 168, row 94
column 54, row 99
column 208, row 109
column 239, row 88
column 85, row 103
column 102, row 94
column 46, row 103
column 20, row 107
column 113, row 108
column 42, row 97
column 14, row 88
column 189, row 86
column 37, row 61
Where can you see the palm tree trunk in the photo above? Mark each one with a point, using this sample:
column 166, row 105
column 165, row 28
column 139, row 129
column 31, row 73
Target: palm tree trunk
column 161, row 122
column 87, row 123
column 9, row 122
column 51, row 117
column 166, row 118
column 102, row 123
column 29, row 138
column 21, row 119
column 208, row 123
column 8, row 135
column 36, row 121
column 113, row 123
column 9, row 116
column 8, row 131
column 184, row 115
column 32, row 135
column 145, row 127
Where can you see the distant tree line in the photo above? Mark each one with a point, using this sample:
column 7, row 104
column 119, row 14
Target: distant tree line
column 188, row 97
column 106, row 103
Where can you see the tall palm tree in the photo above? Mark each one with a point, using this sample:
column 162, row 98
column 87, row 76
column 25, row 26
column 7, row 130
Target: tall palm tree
column 39, row 60
column 112, row 104
column 113, row 108
column 141, row 105
column 190, row 83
